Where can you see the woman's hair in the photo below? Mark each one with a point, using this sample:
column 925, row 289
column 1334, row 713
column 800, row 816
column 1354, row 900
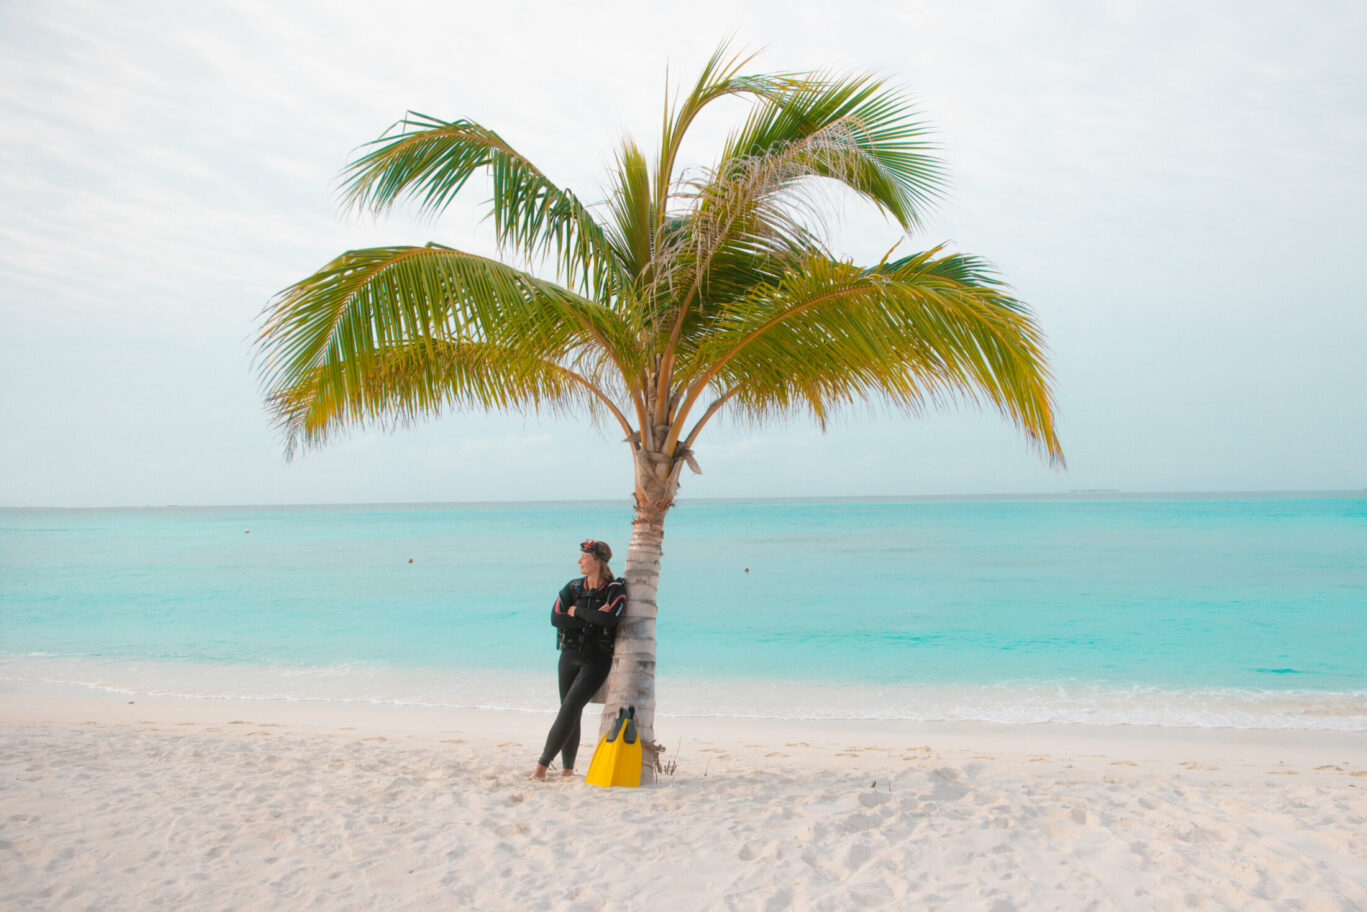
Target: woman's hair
column 601, row 552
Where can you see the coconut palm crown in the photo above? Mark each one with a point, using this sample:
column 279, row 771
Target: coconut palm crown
column 680, row 296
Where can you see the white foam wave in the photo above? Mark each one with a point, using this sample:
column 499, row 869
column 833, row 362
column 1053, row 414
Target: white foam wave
column 1034, row 702
column 1017, row 703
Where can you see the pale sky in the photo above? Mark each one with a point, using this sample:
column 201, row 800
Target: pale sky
column 1177, row 189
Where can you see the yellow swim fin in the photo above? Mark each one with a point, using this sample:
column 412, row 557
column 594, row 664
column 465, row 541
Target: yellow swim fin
column 617, row 760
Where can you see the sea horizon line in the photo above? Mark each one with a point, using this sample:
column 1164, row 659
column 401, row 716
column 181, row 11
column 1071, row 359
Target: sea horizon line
column 1093, row 494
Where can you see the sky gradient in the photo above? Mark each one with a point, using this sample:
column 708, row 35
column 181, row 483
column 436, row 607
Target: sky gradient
column 1179, row 194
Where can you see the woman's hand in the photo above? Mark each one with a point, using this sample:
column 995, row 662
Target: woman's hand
column 571, row 611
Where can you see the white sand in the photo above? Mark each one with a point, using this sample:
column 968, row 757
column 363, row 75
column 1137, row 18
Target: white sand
column 107, row 805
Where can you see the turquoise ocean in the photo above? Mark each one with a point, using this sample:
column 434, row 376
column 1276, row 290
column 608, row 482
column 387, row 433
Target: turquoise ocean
column 1205, row 611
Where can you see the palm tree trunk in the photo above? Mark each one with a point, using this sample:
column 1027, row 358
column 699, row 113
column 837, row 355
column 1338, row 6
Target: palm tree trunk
column 632, row 679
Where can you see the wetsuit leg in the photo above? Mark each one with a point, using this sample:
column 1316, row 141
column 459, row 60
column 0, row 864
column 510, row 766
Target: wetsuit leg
column 579, row 681
column 570, row 667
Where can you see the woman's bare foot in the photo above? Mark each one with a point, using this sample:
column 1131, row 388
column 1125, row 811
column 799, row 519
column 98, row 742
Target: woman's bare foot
column 566, row 773
column 538, row 773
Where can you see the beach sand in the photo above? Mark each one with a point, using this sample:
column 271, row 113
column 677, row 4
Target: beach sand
column 111, row 804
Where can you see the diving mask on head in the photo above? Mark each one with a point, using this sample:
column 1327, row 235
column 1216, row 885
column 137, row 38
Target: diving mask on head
column 598, row 549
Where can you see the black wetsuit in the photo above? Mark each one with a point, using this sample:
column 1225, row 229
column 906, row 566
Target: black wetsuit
column 585, row 642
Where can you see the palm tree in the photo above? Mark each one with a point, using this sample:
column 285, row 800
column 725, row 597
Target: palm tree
column 683, row 293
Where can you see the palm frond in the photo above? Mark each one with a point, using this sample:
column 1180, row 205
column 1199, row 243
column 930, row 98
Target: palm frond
column 759, row 203
column 929, row 330
column 328, row 340
column 720, row 78
column 754, row 208
column 408, row 381
column 431, row 161
column 869, row 141
column 632, row 227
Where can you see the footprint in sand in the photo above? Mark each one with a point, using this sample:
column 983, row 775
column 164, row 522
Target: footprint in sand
column 751, row 850
column 859, row 855
column 858, row 823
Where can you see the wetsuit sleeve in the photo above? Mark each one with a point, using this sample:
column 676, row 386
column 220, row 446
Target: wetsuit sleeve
column 611, row 610
column 560, row 610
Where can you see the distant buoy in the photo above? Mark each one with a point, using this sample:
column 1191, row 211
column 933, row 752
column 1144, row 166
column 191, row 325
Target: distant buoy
column 410, row 560
column 747, row 569
column 246, row 531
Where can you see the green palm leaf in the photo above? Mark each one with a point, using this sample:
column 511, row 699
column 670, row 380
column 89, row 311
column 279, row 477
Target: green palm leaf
column 431, row 161
column 926, row 330
column 853, row 130
column 720, row 78
column 328, row 344
column 633, row 223
column 750, row 218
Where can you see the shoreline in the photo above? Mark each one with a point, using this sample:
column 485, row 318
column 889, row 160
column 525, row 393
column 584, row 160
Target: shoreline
column 1146, row 742
column 1021, row 704
column 251, row 805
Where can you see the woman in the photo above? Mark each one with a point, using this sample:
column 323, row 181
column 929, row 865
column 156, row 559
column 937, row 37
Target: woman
column 585, row 617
